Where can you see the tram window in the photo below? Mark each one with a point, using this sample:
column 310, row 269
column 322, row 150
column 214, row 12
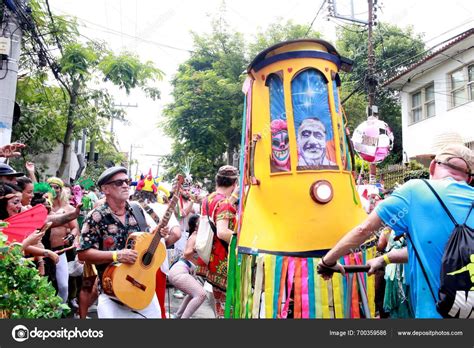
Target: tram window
column 313, row 123
column 345, row 155
column 280, row 158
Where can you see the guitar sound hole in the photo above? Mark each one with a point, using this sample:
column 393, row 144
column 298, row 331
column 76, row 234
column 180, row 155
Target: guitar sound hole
column 147, row 258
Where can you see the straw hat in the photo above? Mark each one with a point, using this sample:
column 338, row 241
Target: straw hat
column 442, row 139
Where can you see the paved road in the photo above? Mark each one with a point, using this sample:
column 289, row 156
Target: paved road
column 172, row 304
column 205, row 311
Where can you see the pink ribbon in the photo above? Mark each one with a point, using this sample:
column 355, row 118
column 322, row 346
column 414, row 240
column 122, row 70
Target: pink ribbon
column 304, row 289
column 291, row 276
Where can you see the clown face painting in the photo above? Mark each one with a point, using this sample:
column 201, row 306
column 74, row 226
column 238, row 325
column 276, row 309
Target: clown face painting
column 280, row 159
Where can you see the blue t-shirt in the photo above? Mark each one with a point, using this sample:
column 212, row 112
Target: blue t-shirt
column 414, row 209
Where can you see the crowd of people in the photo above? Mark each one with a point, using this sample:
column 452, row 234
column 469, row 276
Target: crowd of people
column 94, row 237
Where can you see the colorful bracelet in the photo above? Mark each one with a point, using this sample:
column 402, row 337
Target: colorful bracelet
column 114, row 256
column 386, row 259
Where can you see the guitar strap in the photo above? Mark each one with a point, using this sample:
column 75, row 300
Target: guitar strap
column 139, row 216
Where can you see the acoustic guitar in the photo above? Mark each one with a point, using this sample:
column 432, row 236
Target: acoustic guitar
column 134, row 284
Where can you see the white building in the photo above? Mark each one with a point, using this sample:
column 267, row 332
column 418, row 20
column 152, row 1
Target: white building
column 437, row 95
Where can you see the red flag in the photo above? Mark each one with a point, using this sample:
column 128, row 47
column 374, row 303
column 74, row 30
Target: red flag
column 23, row 224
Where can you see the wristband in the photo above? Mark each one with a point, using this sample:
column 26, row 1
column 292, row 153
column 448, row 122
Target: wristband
column 325, row 264
column 386, row 259
column 115, row 256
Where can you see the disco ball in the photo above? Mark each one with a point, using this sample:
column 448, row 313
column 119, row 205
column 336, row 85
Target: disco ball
column 373, row 140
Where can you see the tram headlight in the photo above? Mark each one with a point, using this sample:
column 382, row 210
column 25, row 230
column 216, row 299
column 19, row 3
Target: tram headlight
column 321, row 191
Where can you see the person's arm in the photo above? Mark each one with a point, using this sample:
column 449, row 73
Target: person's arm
column 35, row 251
column 189, row 252
column 187, row 208
column 394, row 256
column 100, row 256
column 349, row 242
column 223, row 231
column 30, row 169
column 74, row 226
column 33, row 239
column 62, row 219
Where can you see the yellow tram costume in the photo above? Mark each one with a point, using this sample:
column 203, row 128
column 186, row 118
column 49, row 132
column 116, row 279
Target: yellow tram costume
column 298, row 195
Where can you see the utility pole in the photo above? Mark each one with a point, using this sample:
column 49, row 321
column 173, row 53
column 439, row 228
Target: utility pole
column 130, row 161
column 128, row 105
column 131, row 158
column 158, row 162
column 371, row 81
column 10, row 45
column 372, row 109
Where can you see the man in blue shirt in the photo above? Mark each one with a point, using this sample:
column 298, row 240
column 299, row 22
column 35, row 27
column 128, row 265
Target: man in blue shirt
column 413, row 209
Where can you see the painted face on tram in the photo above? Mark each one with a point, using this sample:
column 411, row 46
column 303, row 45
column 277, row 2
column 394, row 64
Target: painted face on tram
column 280, row 148
column 311, row 142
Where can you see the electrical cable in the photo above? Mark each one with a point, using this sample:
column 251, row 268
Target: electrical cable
column 314, row 19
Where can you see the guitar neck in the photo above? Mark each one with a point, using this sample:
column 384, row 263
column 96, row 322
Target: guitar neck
column 163, row 222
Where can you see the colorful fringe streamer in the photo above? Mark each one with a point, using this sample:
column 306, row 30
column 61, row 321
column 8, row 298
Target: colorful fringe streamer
column 271, row 286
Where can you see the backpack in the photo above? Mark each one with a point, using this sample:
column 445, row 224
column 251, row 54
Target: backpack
column 205, row 235
column 456, row 292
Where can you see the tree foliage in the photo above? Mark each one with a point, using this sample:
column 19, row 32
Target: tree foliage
column 206, row 116
column 69, row 101
column 395, row 49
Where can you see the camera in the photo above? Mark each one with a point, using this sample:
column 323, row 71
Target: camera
column 21, row 333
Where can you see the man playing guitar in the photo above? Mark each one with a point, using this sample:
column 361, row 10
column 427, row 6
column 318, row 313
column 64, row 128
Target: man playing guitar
column 103, row 240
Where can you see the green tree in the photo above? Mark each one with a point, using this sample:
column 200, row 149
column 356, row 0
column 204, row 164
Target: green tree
column 395, row 49
column 78, row 64
column 280, row 32
column 206, row 116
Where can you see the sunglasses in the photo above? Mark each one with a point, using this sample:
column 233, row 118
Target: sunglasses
column 55, row 187
column 119, row 182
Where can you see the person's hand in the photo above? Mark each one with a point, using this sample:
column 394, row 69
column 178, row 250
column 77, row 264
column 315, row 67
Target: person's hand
column 41, row 270
column 127, row 256
column 33, row 238
column 234, row 195
column 327, row 272
column 375, row 264
column 165, row 232
column 69, row 239
column 52, row 255
column 30, row 167
column 11, row 150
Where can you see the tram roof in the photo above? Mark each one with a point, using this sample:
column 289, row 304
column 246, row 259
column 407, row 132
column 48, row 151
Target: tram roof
column 258, row 63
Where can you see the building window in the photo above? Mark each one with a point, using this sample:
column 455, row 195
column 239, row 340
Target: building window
column 462, row 85
column 422, row 104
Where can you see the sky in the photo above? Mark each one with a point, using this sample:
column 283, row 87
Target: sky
column 160, row 31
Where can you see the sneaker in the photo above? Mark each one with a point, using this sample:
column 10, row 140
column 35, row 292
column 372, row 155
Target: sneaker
column 178, row 294
column 76, row 316
column 74, row 304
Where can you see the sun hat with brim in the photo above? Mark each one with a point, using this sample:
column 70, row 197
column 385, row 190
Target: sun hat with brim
column 440, row 140
column 107, row 175
column 456, row 151
column 6, row 170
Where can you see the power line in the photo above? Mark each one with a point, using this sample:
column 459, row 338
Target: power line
column 116, row 32
column 314, row 19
